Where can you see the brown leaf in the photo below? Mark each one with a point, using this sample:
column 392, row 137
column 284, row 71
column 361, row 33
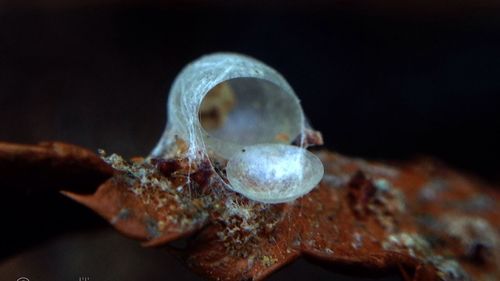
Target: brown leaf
column 51, row 166
column 209, row 257
column 138, row 203
column 363, row 215
column 426, row 221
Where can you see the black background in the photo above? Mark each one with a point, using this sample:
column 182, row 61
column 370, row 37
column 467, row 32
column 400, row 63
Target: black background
column 380, row 82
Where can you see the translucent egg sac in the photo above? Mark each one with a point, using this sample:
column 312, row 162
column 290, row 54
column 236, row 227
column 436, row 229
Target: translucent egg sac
column 273, row 173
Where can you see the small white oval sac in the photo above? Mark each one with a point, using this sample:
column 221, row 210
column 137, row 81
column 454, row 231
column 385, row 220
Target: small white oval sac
column 273, row 173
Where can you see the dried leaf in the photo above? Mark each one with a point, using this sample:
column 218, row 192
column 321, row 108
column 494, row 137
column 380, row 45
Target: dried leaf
column 362, row 215
column 429, row 222
column 138, row 202
column 51, row 166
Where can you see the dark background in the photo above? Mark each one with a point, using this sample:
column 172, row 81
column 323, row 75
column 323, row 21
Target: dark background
column 380, row 81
